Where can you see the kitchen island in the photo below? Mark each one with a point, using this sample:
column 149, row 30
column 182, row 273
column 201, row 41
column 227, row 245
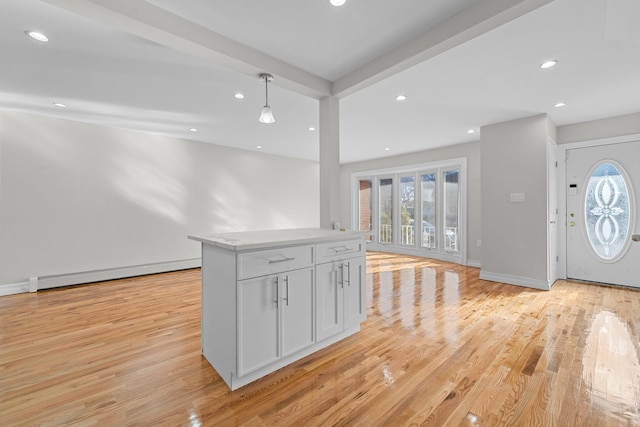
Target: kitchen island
column 272, row 297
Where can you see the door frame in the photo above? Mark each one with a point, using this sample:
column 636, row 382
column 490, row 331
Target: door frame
column 554, row 156
column 562, row 192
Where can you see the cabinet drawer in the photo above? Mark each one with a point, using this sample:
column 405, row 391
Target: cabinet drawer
column 335, row 251
column 260, row 263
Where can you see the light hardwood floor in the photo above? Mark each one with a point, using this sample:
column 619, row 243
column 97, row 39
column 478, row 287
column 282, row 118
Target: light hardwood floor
column 439, row 347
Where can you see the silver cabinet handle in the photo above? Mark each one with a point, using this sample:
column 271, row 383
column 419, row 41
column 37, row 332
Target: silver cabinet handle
column 275, row 261
column 277, row 282
column 348, row 280
column 636, row 237
column 339, row 249
column 286, row 280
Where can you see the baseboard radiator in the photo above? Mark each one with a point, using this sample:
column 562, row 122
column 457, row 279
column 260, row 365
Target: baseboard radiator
column 60, row 280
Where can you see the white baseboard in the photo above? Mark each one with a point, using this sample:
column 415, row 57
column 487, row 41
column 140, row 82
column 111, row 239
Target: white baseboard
column 526, row 282
column 474, row 263
column 56, row 281
column 14, row 288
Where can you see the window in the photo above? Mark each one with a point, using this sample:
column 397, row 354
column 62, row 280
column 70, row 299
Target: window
column 451, row 208
column 428, row 195
column 420, row 209
column 407, row 210
column 385, row 214
column 607, row 211
column 365, row 206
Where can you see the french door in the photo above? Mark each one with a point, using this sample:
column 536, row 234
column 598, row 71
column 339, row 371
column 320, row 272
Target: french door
column 603, row 200
column 413, row 210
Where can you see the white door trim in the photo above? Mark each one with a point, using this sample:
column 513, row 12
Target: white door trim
column 553, row 223
column 562, row 191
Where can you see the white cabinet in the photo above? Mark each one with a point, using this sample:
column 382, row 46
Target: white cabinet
column 297, row 311
column 355, row 309
column 275, row 318
column 257, row 324
column 338, row 251
column 329, row 300
column 340, row 296
column 261, row 263
column 340, row 286
column 266, row 304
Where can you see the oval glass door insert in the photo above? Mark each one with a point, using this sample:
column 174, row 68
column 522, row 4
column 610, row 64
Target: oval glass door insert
column 607, row 211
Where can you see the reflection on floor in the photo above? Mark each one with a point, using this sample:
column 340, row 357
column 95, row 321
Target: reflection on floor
column 611, row 367
column 577, row 346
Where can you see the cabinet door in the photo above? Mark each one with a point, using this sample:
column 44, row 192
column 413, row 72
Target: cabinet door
column 296, row 302
column 329, row 300
column 354, row 291
column 257, row 323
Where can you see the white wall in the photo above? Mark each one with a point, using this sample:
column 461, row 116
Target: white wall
column 514, row 160
column 78, row 197
column 597, row 129
column 469, row 150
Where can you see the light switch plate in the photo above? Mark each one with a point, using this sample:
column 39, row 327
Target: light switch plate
column 516, row 197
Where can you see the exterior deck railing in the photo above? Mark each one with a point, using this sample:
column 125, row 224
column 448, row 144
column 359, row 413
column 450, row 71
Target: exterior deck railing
column 407, row 236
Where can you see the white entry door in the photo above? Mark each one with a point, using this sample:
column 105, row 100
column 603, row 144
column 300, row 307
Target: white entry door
column 603, row 197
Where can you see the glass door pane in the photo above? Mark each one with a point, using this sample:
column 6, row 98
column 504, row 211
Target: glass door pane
column 607, row 211
column 407, row 209
column 428, row 197
column 451, row 204
column 365, row 207
column 385, row 217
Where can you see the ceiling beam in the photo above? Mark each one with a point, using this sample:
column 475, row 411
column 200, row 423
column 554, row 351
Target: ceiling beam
column 161, row 26
column 473, row 21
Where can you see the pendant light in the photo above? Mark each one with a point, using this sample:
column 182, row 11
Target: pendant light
column 266, row 115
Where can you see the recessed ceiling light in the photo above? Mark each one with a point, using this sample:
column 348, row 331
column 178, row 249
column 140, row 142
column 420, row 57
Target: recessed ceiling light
column 387, row 149
column 560, row 104
column 311, row 128
column 548, row 64
column 401, row 98
column 37, row 36
column 258, row 146
column 337, row 2
column 238, row 95
column 471, row 131
column 59, row 105
column 193, row 130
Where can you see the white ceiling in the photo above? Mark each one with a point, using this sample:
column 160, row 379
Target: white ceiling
column 166, row 66
column 314, row 36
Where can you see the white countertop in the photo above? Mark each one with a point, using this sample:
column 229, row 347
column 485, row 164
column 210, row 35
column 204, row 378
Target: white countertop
column 245, row 240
